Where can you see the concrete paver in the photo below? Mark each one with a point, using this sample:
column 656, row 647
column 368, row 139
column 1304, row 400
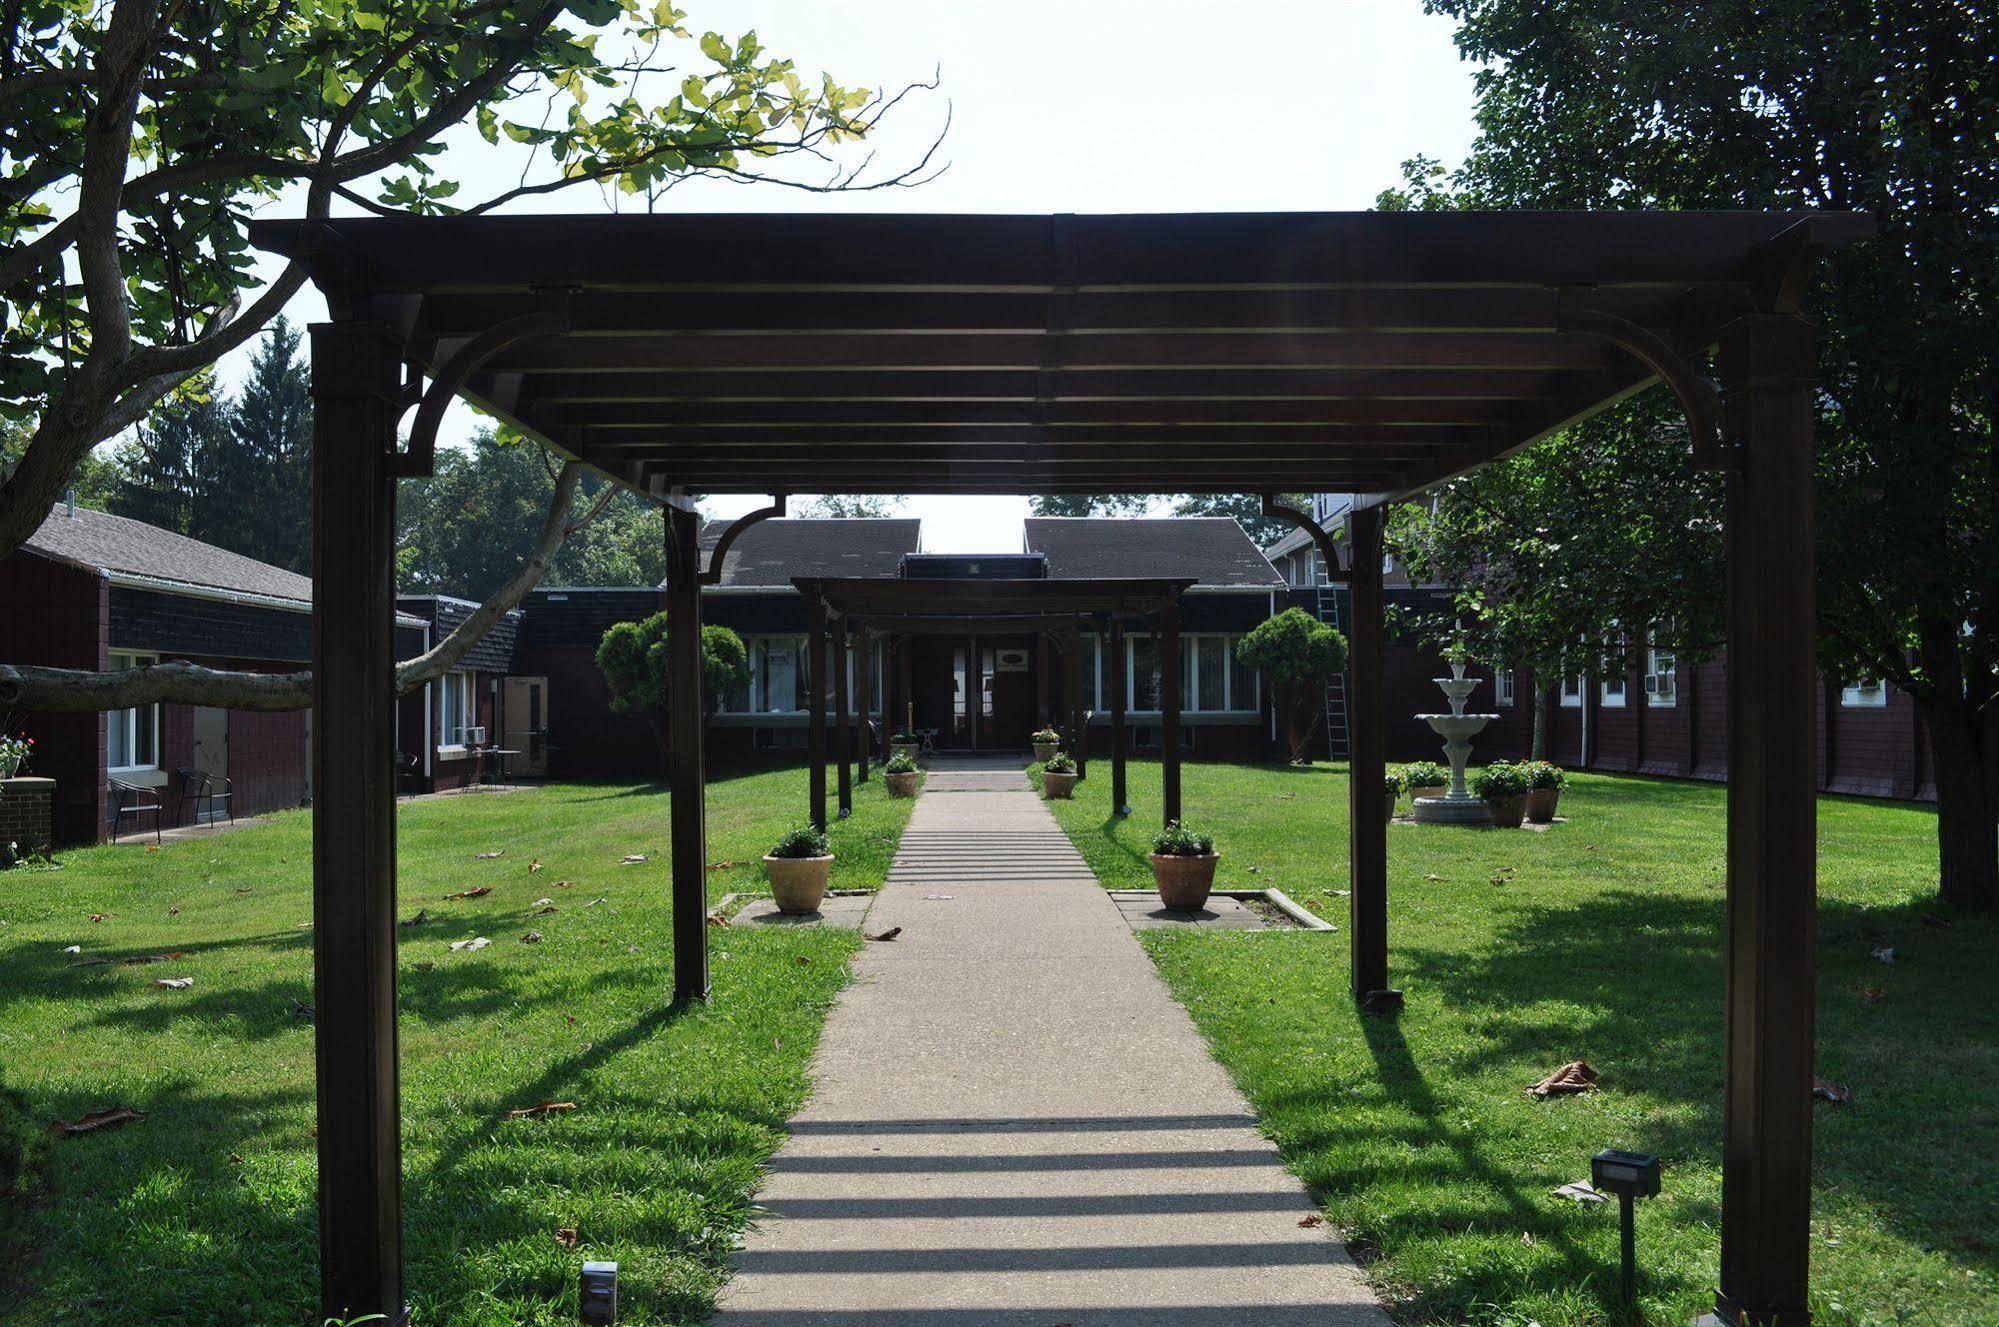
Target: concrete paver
column 1016, row 1125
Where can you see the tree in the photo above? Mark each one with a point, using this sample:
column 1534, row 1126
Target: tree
column 1090, row 504
column 849, row 505
column 162, row 472
column 1298, row 653
column 137, row 138
column 632, row 656
column 1247, row 509
column 261, row 503
column 1890, row 108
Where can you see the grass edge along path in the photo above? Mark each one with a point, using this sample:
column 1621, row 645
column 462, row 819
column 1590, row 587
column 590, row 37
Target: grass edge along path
column 1600, row 940
column 209, row 1200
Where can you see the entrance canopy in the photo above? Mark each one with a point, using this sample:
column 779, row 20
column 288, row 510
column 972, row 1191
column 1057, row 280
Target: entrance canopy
column 1373, row 353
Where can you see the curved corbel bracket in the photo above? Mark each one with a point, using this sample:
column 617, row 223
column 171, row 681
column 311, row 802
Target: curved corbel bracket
column 551, row 319
column 1698, row 399
column 1329, row 552
column 713, row 575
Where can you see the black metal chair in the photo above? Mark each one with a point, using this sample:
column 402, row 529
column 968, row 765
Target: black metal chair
column 409, row 773
column 197, row 789
column 129, row 799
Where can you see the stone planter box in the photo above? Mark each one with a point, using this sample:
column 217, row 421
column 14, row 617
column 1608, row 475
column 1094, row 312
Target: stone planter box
column 1507, row 812
column 1058, row 785
column 1541, row 804
column 903, row 785
column 798, row 883
column 1437, row 791
column 1184, row 883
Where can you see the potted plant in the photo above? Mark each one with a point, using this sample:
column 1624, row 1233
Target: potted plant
column 1058, row 775
column 1183, row 867
column 1046, row 742
column 1504, row 788
column 14, row 752
column 1391, row 783
column 901, row 775
column 1425, row 778
column 798, row 867
column 905, row 744
column 1548, row 781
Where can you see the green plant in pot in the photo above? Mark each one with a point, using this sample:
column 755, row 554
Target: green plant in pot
column 798, row 866
column 905, row 743
column 1503, row 787
column 1183, row 867
column 1546, row 794
column 1392, row 784
column 901, row 776
column 1425, row 778
column 1046, row 743
column 1058, row 775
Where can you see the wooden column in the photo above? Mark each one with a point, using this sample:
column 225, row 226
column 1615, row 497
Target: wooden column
column 816, row 723
column 1367, row 812
column 1768, row 370
column 1072, row 690
column 1120, row 792
column 843, row 720
column 865, row 732
column 686, row 718
column 356, row 377
column 1171, row 671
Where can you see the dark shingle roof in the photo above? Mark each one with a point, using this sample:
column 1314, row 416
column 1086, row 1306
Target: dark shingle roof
column 772, row 552
column 1212, row 550
column 117, row 543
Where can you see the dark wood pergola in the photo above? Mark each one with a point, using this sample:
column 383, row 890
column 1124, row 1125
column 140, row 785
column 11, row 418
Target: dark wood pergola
column 1057, row 609
column 1368, row 353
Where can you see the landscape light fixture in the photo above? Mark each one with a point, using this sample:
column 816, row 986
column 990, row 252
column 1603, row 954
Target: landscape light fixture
column 1629, row 1175
column 598, row 1302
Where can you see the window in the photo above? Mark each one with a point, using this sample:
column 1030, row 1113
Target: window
column 458, row 709
column 132, row 737
column 1869, row 693
column 1612, row 693
column 1502, row 686
column 1213, row 681
column 778, row 677
column 1662, row 678
column 1572, row 693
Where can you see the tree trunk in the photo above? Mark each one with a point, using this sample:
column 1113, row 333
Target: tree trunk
column 1967, row 815
column 1295, row 703
column 662, row 736
column 1543, row 712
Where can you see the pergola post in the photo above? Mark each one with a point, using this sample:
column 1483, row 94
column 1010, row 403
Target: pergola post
column 1120, row 793
column 866, row 704
column 686, row 712
column 1367, row 813
column 1072, row 688
column 843, row 720
column 1170, row 671
column 1767, row 364
column 815, row 685
column 356, row 380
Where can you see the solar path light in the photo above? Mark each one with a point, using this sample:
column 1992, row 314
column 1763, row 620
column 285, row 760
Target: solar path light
column 1629, row 1175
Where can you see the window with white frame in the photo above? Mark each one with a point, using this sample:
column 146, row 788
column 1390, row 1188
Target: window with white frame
column 1572, row 693
column 1662, row 678
column 1611, row 692
column 1502, row 686
column 1869, row 693
column 779, row 677
column 1212, row 679
column 456, row 708
column 132, row 737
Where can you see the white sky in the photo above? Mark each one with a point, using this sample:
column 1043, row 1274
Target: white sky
column 1088, row 106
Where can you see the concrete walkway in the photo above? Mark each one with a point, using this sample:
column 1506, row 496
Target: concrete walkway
column 1015, row 1124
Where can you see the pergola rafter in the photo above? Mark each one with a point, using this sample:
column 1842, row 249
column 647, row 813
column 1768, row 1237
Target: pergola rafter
column 1377, row 354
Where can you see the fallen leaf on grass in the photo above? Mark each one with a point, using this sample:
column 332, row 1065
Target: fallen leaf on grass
column 541, row 1110
column 1434, row 879
column 1886, row 953
column 724, row 865
column 174, row 911
column 531, row 938
column 1874, row 994
column 243, row 889
column 1573, row 1077
column 595, row 901
column 424, row 965
column 567, row 1237
column 1839, row 1094
column 1313, row 1220
column 152, row 847
column 471, row 946
column 1582, row 1191
column 479, row 892
column 174, row 983
column 72, row 949
column 562, row 884
column 543, row 912
column 102, row 916
column 804, row 960
column 534, row 866
column 890, row 934
column 542, row 903
column 422, row 916
column 717, row 919
column 104, row 1117
column 487, row 856
column 634, row 858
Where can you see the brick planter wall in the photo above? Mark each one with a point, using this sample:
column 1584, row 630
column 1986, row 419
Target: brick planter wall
column 27, row 814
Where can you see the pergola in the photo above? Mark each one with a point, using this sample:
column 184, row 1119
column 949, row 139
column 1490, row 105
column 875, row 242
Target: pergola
column 1371, row 353
column 1055, row 609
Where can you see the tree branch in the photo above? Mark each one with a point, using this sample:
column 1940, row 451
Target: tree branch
column 75, row 690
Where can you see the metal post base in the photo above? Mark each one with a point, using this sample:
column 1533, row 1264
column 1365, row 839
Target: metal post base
column 1729, row 1314
column 1382, row 1002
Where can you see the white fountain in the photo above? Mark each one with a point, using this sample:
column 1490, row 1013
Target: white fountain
column 1458, row 806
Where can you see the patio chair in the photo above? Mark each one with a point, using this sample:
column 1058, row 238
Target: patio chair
column 409, row 773
column 129, row 799
column 198, row 790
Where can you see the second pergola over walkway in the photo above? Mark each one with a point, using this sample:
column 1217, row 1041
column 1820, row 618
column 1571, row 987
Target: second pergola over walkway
column 1369, row 353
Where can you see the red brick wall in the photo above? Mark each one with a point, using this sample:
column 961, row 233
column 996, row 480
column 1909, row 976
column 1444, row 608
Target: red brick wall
column 58, row 616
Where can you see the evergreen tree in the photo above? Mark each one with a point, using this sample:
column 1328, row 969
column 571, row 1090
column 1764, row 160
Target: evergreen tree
column 259, row 497
column 162, row 470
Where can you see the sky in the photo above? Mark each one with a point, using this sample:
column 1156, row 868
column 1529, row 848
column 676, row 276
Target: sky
column 1083, row 106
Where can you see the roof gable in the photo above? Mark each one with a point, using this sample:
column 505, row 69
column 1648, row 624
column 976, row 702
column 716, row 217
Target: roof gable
column 771, row 552
column 105, row 542
column 1209, row 550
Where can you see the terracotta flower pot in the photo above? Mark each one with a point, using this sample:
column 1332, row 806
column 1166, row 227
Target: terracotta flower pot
column 1043, row 750
column 1437, row 791
column 1541, row 804
column 798, row 883
column 902, row 785
column 1057, row 785
column 1507, row 812
column 910, row 749
column 1184, row 883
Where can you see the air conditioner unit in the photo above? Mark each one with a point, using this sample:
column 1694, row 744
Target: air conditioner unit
column 475, row 736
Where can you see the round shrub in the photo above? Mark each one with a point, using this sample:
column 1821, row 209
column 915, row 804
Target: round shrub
column 1501, row 779
column 805, row 841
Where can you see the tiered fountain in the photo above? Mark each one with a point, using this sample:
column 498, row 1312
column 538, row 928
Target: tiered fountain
column 1458, row 806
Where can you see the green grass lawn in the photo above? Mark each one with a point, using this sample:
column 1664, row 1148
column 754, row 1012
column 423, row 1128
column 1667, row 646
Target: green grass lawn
column 1598, row 940
column 204, row 1212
